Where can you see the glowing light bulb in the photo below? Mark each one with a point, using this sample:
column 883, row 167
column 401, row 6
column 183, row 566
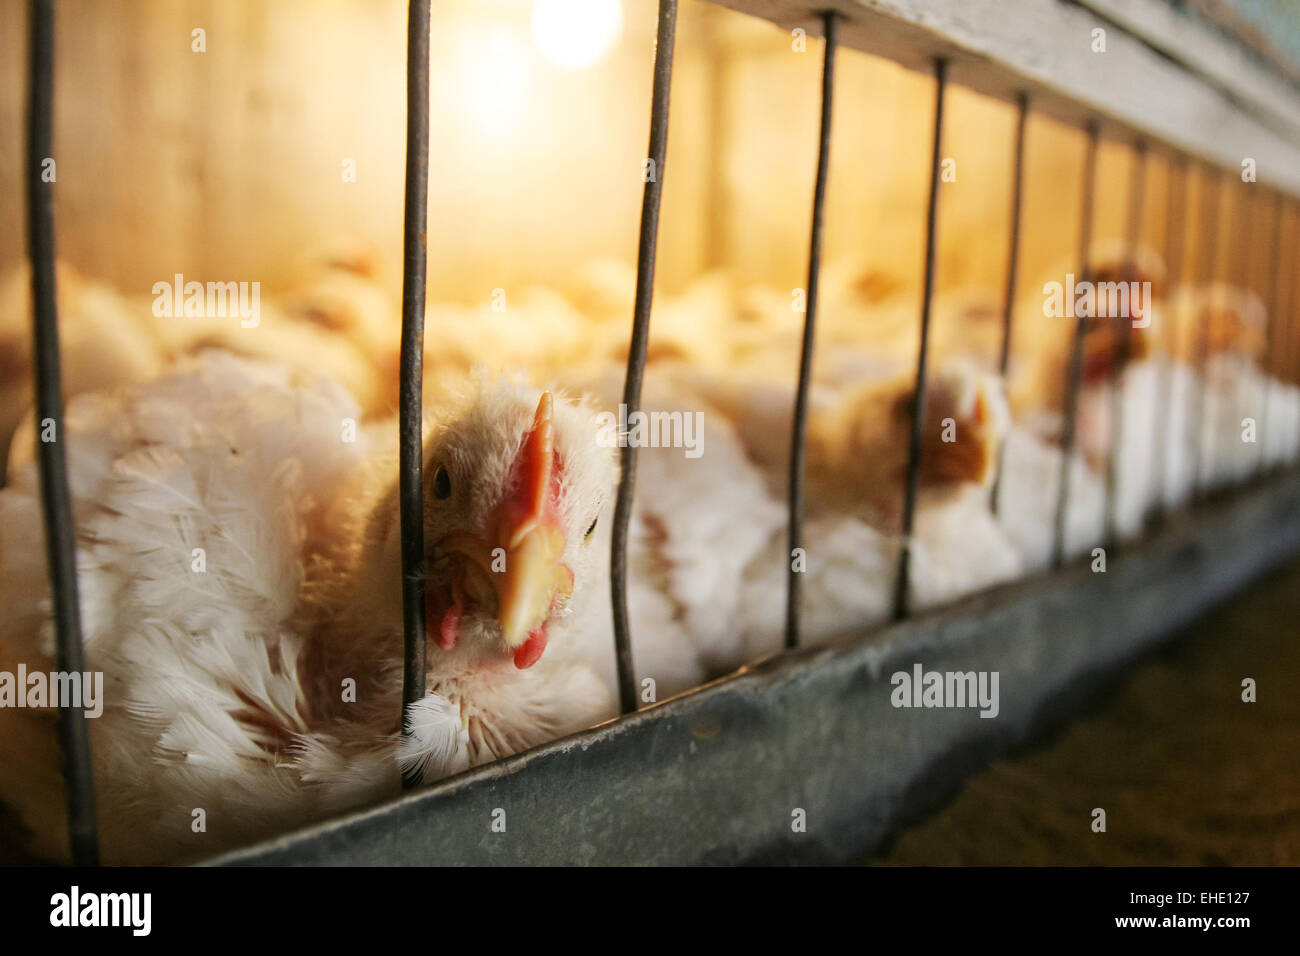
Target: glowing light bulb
column 574, row 34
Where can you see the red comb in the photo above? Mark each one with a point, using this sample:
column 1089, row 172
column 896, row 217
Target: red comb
column 536, row 464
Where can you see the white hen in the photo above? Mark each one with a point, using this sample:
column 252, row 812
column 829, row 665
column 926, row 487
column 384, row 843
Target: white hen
column 1027, row 500
column 700, row 515
column 707, row 550
column 851, row 570
column 239, row 573
column 104, row 341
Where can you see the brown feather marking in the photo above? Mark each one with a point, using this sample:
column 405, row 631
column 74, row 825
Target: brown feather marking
column 661, row 566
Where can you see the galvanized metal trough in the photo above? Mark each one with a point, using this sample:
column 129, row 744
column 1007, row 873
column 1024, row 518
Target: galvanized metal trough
column 715, row 776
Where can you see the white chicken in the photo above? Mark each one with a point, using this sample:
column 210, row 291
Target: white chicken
column 103, row 342
column 334, row 320
column 857, row 446
column 1280, row 424
column 1041, row 353
column 857, row 455
column 1028, row 491
column 707, row 548
column 851, row 568
column 238, row 557
column 1154, row 465
column 344, row 292
column 1117, row 376
column 1249, row 419
column 1181, row 430
column 533, row 328
column 700, row 515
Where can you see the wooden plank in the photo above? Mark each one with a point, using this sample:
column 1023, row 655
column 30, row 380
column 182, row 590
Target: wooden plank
column 1000, row 47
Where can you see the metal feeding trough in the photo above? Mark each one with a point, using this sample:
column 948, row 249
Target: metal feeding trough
column 810, row 755
column 719, row 775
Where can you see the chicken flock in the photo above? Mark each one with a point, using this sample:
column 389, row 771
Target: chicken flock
column 235, row 495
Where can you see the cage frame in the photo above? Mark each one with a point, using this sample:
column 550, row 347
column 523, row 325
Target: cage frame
column 1200, row 555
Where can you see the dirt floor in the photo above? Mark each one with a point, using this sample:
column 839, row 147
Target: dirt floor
column 1187, row 773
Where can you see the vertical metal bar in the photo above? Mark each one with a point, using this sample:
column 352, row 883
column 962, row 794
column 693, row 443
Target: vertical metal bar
column 799, row 431
column 1268, row 361
column 645, row 272
column 1074, row 373
column 1246, row 356
column 410, row 403
column 922, row 354
column 1291, row 348
column 1123, row 343
column 1287, row 278
column 1175, row 250
column 56, row 499
column 1209, row 251
column 1013, row 265
column 1239, row 275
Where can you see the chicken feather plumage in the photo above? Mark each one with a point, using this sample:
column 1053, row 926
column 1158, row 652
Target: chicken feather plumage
column 236, row 549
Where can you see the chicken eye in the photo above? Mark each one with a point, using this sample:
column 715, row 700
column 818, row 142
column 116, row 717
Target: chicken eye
column 441, row 484
column 592, row 528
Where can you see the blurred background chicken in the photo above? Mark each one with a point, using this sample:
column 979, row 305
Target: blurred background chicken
column 1040, row 361
column 858, row 436
column 1178, row 418
column 957, row 549
column 335, row 320
column 238, row 557
column 707, row 546
column 102, row 342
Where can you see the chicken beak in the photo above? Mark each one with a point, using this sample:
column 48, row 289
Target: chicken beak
column 531, row 584
column 514, row 569
column 529, row 533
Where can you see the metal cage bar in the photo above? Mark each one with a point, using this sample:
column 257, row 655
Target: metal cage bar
column 1268, row 362
column 1074, row 374
column 1286, row 294
column 56, row 498
column 1249, row 222
column 1291, row 350
column 922, row 353
column 1209, row 269
column 1123, row 343
column 799, row 428
column 1013, row 266
column 1175, row 254
column 1239, row 276
column 410, row 407
column 636, row 355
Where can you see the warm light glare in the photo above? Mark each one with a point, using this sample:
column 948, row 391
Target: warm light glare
column 494, row 78
column 574, row 34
